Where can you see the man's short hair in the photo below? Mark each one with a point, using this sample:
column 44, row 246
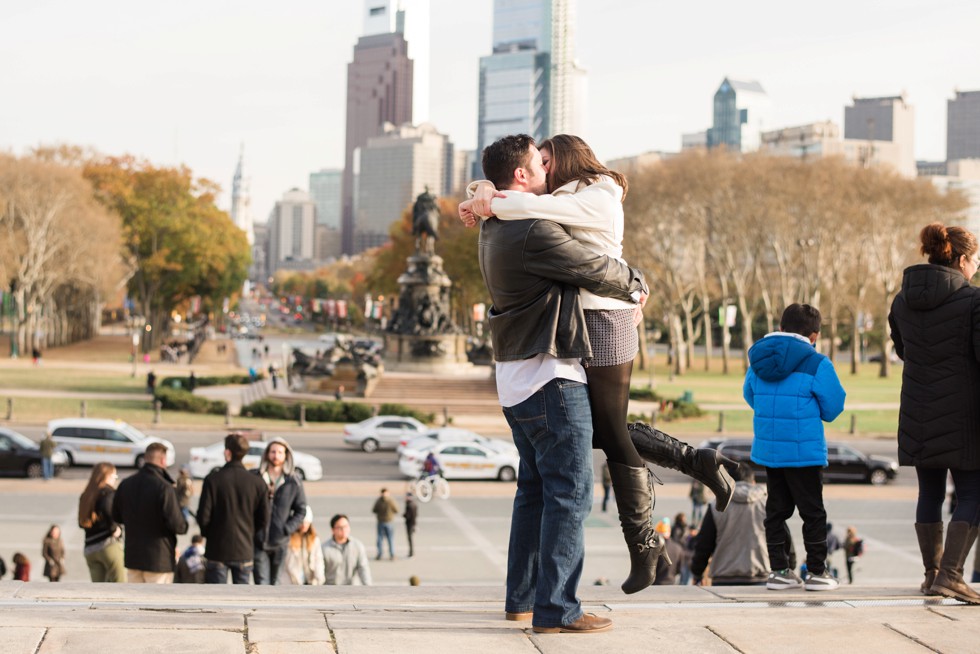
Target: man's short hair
column 237, row 445
column 800, row 319
column 197, row 539
column 505, row 155
column 153, row 450
column 743, row 472
column 339, row 516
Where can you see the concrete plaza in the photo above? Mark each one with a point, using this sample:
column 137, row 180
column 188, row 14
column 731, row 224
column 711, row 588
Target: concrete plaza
column 82, row 618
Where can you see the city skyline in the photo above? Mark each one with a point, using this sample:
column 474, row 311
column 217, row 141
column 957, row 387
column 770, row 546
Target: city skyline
column 192, row 88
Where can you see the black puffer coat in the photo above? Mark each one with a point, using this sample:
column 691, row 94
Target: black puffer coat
column 935, row 325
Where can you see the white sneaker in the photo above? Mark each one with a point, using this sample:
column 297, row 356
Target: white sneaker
column 783, row 580
column 822, row 581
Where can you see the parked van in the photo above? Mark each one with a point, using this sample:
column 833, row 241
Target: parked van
column 88, row 441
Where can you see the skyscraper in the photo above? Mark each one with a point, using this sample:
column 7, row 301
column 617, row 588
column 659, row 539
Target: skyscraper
column 325, row 188
column 241, row 202
column 531, row 82
column 291, row 232
column 741, row 113
column 411, row 18
column 963, row 126
column 394, row 169
column 379, row 90
column 881, row 130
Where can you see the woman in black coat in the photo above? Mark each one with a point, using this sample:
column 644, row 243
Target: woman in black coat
column 935, row 325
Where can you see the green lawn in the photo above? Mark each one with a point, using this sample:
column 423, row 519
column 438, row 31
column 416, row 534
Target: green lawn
column 715, row 388
column 52, row 377
column 135, row 412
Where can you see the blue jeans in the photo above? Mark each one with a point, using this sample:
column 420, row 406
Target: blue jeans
column 268, row 565
column 386, row 531
column 216, row 572
column 47, row 468
column 553, row 433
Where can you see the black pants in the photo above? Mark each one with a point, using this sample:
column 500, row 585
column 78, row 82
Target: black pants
column 932, row 494
column 789, row 489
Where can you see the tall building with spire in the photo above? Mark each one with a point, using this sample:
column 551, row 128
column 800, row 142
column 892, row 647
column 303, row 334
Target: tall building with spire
column 381, row 83
column 241, row 201
column 531, row 83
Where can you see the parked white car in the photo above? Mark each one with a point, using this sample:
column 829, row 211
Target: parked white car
column 495, row 459
column 382, row 432
column 444, row 434
column 204, row 460
column 89, row 441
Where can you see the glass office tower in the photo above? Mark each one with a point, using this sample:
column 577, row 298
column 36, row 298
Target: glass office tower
column 531, row 83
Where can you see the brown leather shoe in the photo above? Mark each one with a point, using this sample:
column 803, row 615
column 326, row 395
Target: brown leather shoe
column 519, row 617
column 589, row 623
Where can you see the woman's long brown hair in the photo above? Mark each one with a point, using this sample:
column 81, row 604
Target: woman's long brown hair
column 98, row 480
column 572, row 159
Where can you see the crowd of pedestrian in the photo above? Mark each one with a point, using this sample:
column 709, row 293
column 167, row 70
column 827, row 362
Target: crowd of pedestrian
column 255, row 526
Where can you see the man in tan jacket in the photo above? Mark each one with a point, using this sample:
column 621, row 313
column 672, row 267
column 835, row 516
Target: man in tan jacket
column 386, row 509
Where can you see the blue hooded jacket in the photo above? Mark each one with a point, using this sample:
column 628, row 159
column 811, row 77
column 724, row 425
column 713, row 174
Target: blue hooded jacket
column 792, row 388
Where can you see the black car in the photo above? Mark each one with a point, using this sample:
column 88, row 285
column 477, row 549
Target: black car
column 21, row 457
column 844, row 463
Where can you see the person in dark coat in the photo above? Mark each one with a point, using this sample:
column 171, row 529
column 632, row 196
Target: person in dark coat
column 935, row 326
column 22, row 567
column 146, row 505
column 234, row 507
column 668, row 567
column 287, row 508
column 191, row 566
column 103, row 537
column 411, row 518
column 53, row 551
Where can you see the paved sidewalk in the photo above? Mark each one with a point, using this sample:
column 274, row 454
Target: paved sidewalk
column 84, row 618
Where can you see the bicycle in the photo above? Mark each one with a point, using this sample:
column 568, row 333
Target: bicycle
column 427, row 486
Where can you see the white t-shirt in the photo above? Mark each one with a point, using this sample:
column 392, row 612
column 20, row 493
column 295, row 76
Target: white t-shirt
column 519, row 380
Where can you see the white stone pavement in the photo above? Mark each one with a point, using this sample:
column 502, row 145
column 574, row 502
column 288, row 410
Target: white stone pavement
column 84, row 618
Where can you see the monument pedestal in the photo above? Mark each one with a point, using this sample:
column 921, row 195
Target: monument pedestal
column 442, row 353
column 422, row 336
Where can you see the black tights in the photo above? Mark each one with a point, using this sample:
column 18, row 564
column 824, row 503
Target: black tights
column 609, row 395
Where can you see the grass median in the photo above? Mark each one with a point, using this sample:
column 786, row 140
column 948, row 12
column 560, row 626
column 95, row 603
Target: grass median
column 864, row 390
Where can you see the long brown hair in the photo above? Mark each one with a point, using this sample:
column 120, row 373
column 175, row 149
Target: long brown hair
column 296, row 540
column 99, row 479
column 572, row 159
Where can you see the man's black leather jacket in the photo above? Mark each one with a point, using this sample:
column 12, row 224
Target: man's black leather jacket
column 533, row 270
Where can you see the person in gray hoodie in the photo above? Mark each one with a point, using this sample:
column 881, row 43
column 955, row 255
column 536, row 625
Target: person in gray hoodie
column 735, row 541
column 288, row 508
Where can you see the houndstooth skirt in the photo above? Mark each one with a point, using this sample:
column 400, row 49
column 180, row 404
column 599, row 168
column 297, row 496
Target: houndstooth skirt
column 613, row 336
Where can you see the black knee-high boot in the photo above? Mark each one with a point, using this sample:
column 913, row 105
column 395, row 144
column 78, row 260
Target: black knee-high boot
column 634, row 499
column 705, row 465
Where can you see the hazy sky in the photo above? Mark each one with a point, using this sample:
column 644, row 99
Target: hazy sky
column 187, row 82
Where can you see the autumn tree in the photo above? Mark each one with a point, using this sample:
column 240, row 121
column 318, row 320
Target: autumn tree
column 59, row 251
column 776, row 231
column 179, row 244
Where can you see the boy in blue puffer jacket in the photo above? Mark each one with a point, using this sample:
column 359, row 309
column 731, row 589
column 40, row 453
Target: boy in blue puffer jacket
column 792, row 389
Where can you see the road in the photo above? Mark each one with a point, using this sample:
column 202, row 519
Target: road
column 345, row 463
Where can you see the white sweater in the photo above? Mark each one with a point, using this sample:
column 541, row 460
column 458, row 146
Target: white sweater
column 592, row 215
